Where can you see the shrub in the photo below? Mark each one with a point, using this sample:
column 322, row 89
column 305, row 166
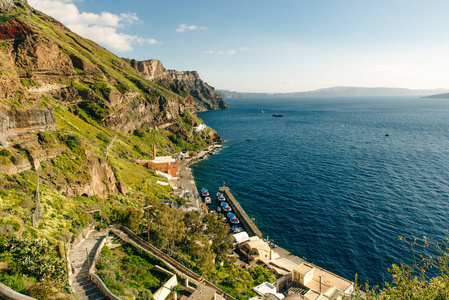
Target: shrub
column 95, row 110
column 5, row 152
column 73, row 142
column 103, row 137
column 40, row 290
column 4, row 18
column 138, row 150
column 28, row 82
column 139, row 132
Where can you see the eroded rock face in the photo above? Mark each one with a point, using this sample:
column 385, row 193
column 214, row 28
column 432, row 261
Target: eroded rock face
column 24, row 123
column 143, row 114
column 14, row 29
column 102, row 180
column 38, row 58
column 205, row 96
column 149, row 69
column 9, row 80
column 86, row 67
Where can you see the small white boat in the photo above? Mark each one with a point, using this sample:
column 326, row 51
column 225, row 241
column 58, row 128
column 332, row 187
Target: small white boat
column 204, row 192
column 220, row 197
column 207, row 200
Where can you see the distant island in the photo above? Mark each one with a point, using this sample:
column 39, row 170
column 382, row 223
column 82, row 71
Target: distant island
column 342, row 91
column 437, row 96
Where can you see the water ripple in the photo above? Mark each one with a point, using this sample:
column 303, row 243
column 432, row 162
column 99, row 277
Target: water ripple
column 327, row 184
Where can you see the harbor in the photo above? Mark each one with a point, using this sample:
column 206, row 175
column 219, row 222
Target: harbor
column 184, row 184
column 295, row 275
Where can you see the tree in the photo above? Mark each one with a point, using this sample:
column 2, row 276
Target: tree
column 218, row 233
column 414, row 282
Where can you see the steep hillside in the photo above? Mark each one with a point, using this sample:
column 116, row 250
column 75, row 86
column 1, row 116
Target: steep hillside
column 181, row 82
column 39, row 57
column 74, row 118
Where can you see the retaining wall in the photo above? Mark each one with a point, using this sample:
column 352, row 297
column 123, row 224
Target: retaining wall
column 181, row 270
column 97, row 279
column 7, row 293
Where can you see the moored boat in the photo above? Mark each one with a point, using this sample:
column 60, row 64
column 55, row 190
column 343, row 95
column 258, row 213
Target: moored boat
column 277, row 115
column 236, row 228
column 233, row 218
column 207, row 200
column 204, row 192
column 221, row 197
column 225, row 207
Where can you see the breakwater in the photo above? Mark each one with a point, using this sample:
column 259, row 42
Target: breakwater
column 245, row 220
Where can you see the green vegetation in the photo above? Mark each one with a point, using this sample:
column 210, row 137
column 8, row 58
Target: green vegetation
column 95, row 110
column 238, row 282
column 33, row 267
column 5, row 18
column 29, row 83
column 132, row 269
column 415, row 282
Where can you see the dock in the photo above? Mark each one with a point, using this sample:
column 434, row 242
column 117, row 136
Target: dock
column 284, row 263
column 247, row 224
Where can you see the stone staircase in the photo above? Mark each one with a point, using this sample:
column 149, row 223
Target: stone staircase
column 82, row 286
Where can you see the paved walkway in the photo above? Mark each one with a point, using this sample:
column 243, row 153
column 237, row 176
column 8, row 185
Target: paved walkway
column 82, row 286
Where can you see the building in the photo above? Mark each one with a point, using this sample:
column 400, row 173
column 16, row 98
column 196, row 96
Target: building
column 314, row 283
column 203, row 292
column 199, row 128
column 164, row 164
column 257, row 249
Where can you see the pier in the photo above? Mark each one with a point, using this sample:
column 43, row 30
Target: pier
column 247, row 224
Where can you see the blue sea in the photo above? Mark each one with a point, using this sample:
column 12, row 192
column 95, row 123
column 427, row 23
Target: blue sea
column 337, row 180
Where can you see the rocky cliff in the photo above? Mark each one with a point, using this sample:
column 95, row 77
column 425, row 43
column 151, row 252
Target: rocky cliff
column 22, row 124
column 52, row 79
column 181, row 82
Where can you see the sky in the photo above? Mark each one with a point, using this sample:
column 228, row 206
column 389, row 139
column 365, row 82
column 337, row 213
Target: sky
column 274, row 46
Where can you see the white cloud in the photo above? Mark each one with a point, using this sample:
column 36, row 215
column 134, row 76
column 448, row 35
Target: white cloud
column 101, row 28
column 184, row 27
column 228, row 52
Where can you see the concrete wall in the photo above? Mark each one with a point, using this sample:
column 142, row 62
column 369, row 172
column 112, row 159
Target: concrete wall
column 166, row 289
column 9, row 294
column 97, row 279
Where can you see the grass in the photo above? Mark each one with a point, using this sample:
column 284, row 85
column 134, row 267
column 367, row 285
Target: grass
column 129, row 268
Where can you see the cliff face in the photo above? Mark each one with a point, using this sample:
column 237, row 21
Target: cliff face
column 51, row 79
column 22, row 124
column 187, row 82
column 144, row 114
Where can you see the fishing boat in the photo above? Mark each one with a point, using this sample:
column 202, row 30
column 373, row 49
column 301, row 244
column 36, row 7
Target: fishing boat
column 207, row 200
column 220, row 197
column 249, row 139
column 237, row 228
column 261, row 111
column 204, row 192
column 233, row 218
column 277, row 115
column 225, row 207
column 219, row 209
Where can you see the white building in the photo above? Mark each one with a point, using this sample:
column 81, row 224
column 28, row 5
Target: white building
column 199, row 128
